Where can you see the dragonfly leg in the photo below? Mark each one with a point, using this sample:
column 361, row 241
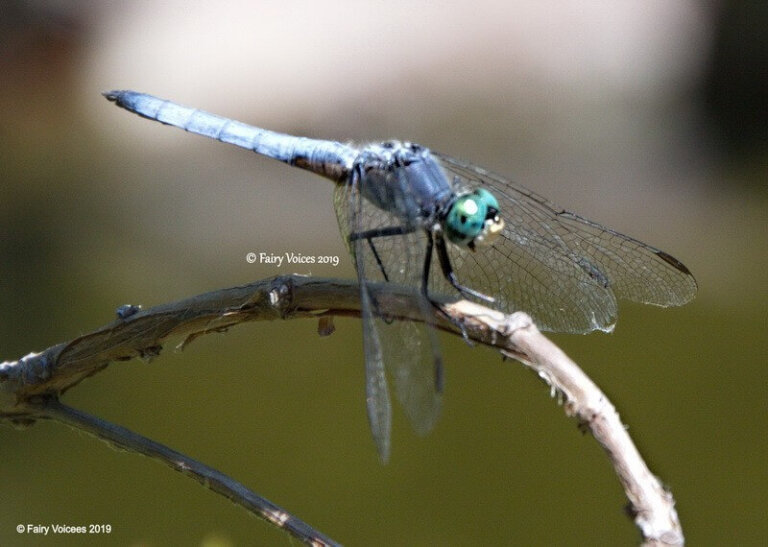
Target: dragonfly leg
column 445, row 264
column 378, row 260
column 425, row 290
column 370, row 235
column 436, row 357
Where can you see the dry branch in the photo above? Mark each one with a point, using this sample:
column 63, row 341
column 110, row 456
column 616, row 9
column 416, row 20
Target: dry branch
column 31, row 386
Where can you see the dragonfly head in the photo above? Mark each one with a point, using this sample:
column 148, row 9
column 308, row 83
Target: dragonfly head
column 473, row 219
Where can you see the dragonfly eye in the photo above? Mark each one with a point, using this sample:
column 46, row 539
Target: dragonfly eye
column 473, row 219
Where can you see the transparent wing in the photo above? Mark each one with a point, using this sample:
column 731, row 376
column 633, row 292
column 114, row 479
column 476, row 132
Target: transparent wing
column 407, row 350
column 376, row 392
column 562, row 269
column 377, row 399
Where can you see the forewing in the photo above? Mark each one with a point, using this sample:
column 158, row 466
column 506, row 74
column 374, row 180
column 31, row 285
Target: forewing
column 348, row 204
column 409, row 350
column 562, row 269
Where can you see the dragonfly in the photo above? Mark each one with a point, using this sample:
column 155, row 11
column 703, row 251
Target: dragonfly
column 440, row 226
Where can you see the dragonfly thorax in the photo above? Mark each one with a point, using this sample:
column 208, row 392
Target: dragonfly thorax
column 405, row 180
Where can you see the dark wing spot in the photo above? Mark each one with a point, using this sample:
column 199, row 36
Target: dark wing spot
column 672, row 261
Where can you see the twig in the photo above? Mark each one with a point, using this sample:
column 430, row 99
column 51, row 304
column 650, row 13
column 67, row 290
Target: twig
column 29, row 388
column 650, row 504
column 209, row 477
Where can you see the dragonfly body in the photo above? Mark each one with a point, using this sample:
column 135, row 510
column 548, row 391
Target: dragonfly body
column 401, row 178
column 398, row 204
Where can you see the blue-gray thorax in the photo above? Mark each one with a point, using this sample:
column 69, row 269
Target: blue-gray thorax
column 404, row 179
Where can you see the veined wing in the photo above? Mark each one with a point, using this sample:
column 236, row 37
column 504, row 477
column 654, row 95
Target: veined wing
column 406, row 350
column 564, row 270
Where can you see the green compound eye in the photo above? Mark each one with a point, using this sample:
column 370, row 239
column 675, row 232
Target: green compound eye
column 473, row 219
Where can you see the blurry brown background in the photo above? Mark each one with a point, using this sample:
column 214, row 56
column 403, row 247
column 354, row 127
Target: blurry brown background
column 648, row 117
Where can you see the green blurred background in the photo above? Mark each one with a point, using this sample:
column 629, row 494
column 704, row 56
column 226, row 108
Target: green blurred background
column 646, row 116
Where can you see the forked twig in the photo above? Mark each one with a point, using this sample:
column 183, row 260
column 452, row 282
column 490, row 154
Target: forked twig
column 30, row 387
